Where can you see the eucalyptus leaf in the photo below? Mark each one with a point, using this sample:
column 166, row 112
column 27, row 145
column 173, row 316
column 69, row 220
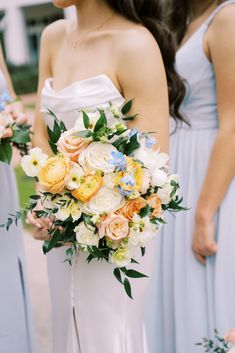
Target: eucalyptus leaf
column 135, row 274
column 21, row 136
column 117, row 274
column 127, row 287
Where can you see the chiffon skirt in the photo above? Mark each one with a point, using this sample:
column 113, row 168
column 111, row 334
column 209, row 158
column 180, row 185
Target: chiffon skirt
column 15, row 323
column 188, row 300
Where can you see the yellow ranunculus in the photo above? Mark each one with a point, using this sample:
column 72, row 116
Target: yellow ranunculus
column 54, row 175
column 89, row 188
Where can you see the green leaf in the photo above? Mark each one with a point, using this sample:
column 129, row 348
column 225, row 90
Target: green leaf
column 144, row 211
column 5, row 151
column 69, row 255
column 83, row 133
column 48, row 245
column 56, row 130
column 9, row 223
column 62, row 126
column 117, row 274
column 21, row 136
column 101, row 122
column 86, row 120
column 143, row 251
column 50, row 112
column 135, row 274
column 127, row 107
column 35, row 197
column 53, row 147
column 130, row 118
column 127, row 287
column 53, row 138
column 132, row 145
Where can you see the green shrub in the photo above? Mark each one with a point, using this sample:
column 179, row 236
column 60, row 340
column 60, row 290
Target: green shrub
column 24, row 78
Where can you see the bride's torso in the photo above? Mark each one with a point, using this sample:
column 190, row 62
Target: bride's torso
column 85, row 94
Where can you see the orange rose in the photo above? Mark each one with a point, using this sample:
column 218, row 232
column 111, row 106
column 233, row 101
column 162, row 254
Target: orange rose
column 55, row 174
column 71, row 145
column 131, row 207
column 89, row 188
column 155, row 202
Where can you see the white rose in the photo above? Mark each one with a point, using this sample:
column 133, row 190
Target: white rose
column 108, row 180
column 71, row 208
column 159, row 177
column 121, row 257
column 76, row 176
column 164, row 193
column 32, row 163
column 97, row 156
column 105, row 201
column 86, row 236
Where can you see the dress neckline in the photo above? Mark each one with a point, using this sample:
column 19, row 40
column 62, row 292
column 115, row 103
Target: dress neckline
column 49, row 84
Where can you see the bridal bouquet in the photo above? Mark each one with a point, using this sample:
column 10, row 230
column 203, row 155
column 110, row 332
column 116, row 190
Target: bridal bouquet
column 14, row 130
column 105, row 189
column 219, row 345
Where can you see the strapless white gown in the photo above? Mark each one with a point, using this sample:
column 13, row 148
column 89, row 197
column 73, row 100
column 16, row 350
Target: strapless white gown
column 91, row 311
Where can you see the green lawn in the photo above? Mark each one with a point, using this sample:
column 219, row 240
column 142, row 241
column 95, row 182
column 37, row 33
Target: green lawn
column 26, row 188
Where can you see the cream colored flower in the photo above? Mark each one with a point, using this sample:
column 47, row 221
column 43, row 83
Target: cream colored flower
column 76, row 176
column 121, row 257
column 34, row 162
column 86, row 236
column 105, row 201
column 71, row 208
column 97, row 156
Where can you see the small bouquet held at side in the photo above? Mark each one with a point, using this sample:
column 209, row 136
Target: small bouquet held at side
column 14, row 130
column 219, row 344
column 105, row 189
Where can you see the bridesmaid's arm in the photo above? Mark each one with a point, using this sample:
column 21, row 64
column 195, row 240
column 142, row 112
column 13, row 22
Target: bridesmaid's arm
column 40, row 131
column 5, row 72
column 141, row 75
column 221, row 168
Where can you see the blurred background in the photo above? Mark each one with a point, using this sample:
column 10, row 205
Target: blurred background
column 21, row 25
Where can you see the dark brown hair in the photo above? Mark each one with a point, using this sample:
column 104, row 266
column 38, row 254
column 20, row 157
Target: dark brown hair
column 149, row 14
column 178, row 16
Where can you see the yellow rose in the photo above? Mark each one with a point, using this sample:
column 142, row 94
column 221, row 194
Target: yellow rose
column 89, row 188
column 54, row 175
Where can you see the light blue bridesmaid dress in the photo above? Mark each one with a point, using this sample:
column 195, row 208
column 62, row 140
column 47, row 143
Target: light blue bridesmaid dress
column 15, row 324
column 191, row 300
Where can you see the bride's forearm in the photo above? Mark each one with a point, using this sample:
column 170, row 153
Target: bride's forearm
column 221, row 171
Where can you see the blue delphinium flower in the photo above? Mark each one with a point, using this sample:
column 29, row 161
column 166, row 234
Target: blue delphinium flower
column 128, row 180
column 4, row 99
column 124, row 192
column 150, row 141
column 118, row 160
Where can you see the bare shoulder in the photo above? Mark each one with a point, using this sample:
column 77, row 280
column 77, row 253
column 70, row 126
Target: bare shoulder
column 225, row 18
column 54, row 31
column 138, row 43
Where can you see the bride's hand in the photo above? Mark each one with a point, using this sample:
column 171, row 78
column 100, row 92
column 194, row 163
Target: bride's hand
column 204, row 243
column 41, row 224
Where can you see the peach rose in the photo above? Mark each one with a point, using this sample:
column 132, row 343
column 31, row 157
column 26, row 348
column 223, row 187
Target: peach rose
column 155, row 203
column 55, row 174
column 89, row 188
column 71, row 145
column 114, row 227
column 131, row 207
column 230, row 337
column 7, row 133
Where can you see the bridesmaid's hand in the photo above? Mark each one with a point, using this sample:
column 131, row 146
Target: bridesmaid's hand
column 41, row 224
column 204, row 243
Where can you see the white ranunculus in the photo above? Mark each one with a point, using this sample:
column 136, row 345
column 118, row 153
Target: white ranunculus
column 72, row 209
column 105, row 201
column 33, row 162
column 121, row 257
column 77, row 174
column 97, row 156
column 146, row 181
column 86, row 236
column 108, row 180
column 159, row 177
